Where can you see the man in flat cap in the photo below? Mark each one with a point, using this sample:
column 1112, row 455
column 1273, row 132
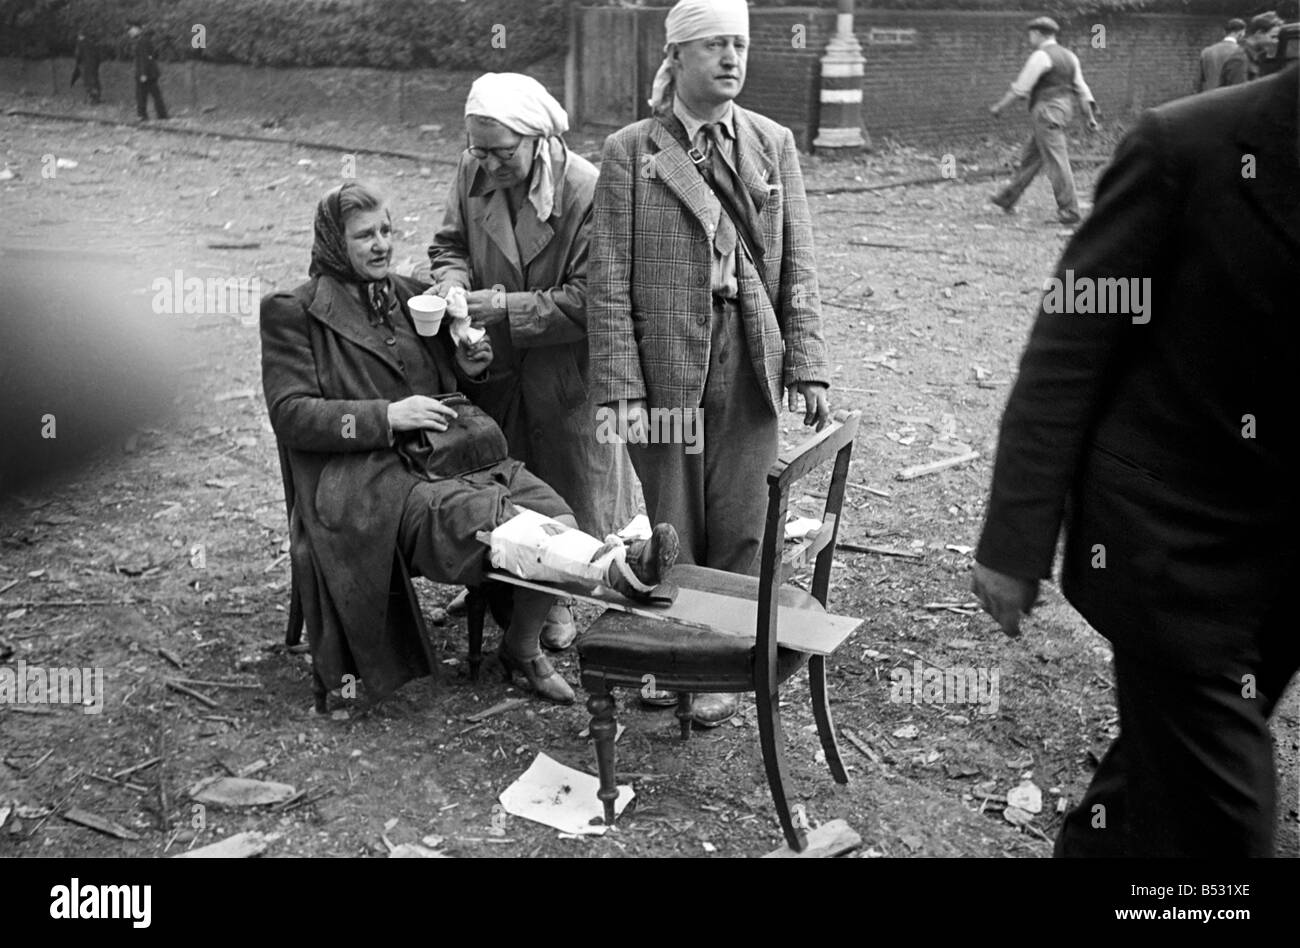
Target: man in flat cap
column 1051, row 80
column 702, row 296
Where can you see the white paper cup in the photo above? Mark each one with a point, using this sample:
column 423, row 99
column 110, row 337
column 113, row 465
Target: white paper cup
column 426, row 313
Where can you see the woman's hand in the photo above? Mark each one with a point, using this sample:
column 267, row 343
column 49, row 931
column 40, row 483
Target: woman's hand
column 474, row 358
column 486, row 306
column 419, row 411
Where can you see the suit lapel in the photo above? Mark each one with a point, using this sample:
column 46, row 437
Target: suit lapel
column 751, row 162
column 1269, row 133
column 340, row 312
column 674, row 167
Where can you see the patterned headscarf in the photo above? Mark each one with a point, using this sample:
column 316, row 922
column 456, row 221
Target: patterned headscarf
column 329, row 253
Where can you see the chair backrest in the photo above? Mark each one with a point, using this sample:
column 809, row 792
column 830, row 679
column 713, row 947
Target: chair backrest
column 834, row 441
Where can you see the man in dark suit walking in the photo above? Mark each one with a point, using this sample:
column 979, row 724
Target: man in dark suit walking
column 1243, row 64
column 146, row 74
column 1214, row 56
column 86, row 58
column 1155, row 413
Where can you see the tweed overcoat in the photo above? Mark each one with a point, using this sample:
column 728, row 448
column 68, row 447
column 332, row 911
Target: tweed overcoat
column 649, row 297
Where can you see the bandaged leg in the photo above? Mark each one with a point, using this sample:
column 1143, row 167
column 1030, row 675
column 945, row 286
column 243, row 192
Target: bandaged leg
column 532, row 546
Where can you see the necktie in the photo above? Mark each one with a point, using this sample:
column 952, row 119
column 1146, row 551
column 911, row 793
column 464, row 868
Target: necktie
column 718, row 173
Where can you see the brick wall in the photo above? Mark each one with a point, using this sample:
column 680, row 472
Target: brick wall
column 932, row 75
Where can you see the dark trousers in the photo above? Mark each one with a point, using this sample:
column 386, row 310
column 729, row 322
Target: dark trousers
column 1191, row 774
column 1047, row 150
column 716, row 497
column 143, row 90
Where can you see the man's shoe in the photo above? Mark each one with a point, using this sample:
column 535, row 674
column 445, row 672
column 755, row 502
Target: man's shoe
column 1069, row 218
column 1008, row 207
column 458, row 607
column 710, row 710
column 559, row 630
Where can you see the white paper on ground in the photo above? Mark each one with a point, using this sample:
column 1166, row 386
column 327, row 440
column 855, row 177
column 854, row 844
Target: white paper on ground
column 800, row 527
column 560, row 797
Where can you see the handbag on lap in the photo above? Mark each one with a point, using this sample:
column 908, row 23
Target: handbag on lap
column 471, row 442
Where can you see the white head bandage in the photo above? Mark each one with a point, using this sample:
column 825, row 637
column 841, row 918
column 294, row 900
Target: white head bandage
column 698, row 19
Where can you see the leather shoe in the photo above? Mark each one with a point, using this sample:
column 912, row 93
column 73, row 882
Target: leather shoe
column 710, row 710
column 559, row 630
column 1008, row 207
column 546, row 682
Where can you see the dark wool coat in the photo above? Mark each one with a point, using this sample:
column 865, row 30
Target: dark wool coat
column 328, row 380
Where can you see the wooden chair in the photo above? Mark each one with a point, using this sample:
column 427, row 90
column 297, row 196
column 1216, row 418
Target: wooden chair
column 731, row 633
column 293, row 631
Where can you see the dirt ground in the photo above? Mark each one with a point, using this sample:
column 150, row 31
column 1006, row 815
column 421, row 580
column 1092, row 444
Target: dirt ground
column 928, row 293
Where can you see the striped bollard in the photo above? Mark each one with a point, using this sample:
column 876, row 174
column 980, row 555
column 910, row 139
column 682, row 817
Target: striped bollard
column 841, row 88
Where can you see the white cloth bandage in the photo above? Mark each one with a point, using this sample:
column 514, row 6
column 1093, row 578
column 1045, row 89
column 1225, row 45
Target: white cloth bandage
column 532, row 546
column 697, row 19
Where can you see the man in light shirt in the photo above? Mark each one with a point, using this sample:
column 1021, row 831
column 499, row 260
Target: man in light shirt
column 1051, row 79
column 1213, row 57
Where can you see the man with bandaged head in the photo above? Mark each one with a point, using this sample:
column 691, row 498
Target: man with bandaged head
column 513, row 241
column 702, row 296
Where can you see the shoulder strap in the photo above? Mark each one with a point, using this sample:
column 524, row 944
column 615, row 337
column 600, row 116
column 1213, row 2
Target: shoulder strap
column 752, row 247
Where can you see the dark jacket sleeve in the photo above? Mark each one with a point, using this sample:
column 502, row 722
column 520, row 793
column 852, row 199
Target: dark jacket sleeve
column 1068, row 366
column 1234, row 70
column 302, row 417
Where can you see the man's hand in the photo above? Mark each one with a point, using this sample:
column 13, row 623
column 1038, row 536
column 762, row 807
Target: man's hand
column 486, row 307
column 1005, row 598
column 633, row 423
column 817, row 407
column 419, row 411
column 994, row 109
column 474, row 358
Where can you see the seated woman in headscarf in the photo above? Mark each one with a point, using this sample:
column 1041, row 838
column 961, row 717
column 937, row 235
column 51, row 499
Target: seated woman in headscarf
column 386, row 457
column 514, row 241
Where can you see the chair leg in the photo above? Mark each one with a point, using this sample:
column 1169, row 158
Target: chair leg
column 319, row 693
column 684, row 702
column 822, row 713
column 603, row 730
column 475, row 611
column 772, row 738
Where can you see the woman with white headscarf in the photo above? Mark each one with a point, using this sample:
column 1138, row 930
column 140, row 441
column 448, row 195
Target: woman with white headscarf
column 514, row 238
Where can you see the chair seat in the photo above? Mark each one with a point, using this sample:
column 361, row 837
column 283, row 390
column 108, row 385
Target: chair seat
column 622, row 647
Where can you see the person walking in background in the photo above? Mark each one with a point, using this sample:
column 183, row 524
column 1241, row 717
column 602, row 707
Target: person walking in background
column 514, row 238
column 1051, row 80
column 1213, row 57
column 146, row 73
column 86, row 57
column 702, row 296
column 1160, row 432
column 1260, row 41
